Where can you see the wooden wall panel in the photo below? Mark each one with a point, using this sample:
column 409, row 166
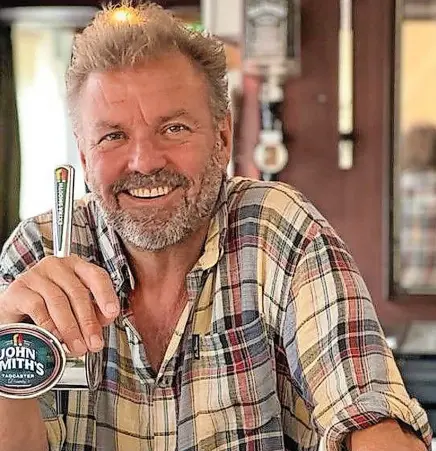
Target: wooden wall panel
column 311, row 112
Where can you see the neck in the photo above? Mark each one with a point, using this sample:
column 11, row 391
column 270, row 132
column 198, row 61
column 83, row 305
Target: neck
column 154, row 270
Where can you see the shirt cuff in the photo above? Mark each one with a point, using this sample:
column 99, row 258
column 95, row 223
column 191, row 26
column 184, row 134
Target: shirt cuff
column 371, row 408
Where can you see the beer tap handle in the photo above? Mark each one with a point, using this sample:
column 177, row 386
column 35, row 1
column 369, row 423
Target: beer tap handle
column 62, row 228
column 63, row 210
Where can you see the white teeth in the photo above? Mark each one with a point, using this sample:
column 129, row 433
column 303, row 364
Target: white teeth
column 144, row 192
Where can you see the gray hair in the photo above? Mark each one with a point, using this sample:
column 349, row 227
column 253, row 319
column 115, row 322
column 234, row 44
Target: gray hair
column 124, row 36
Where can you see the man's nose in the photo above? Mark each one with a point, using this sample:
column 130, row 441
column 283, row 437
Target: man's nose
column 146, row 158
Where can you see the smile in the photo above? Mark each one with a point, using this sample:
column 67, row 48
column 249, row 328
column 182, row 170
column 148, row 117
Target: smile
column 145, row 193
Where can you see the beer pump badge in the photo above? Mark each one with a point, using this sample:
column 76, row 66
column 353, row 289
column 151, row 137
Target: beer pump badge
column 31, row 361
column 61, row 181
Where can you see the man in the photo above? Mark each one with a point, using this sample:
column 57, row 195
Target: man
column 229, row 313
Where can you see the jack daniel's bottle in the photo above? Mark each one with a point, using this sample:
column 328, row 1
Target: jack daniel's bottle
column 272, row 37
column 271, row 52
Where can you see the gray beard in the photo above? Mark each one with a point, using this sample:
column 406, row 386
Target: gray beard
column 153, row 229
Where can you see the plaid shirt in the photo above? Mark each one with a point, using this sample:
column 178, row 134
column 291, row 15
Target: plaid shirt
column 417, row 231
column 278, row 345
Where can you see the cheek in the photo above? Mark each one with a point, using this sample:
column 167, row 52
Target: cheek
column 202, row 173
column 197, row 174
column 197, row 165
column 103, row 170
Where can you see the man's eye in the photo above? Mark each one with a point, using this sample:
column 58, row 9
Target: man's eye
column 174, row 129
column 114, row 136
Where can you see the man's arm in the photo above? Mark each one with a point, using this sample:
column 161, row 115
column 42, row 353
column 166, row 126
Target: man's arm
column 24, row 291
column 339, row 357
column 21, row 425
column 385, row 436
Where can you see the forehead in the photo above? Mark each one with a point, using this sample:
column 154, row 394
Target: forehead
column 152, row 87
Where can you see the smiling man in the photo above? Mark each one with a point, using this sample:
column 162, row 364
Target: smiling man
column 152, row 154
column 229, row 313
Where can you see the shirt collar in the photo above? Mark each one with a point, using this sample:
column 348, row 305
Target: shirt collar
column 113, row 255
column 217, row 233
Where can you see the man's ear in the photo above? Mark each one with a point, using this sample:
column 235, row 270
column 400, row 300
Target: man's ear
column 225, row 130
column 81, row 149
column 83, row 161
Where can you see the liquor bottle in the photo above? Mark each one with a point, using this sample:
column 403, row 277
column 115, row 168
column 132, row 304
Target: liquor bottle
column 271, row 52
column 271, row 38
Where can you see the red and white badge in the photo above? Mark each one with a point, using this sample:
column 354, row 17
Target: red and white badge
column 270, row 155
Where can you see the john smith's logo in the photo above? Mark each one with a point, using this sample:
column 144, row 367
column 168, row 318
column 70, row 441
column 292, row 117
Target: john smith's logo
column 30, row 361
column 20, row 357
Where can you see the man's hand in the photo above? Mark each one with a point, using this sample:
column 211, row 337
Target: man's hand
column 69, row 297
column 385, row 436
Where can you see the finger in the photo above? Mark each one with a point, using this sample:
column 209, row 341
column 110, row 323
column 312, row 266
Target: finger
column 57, row 304
column 100, row 284
column 34, row 310
column 38, row 313
column 9, row 311
column 34, row 291
column 102, row 319
column 59, row 308
column 61, row 273
column 68, row 286
column 23, row 302
column 96, row 279
column 85, row 314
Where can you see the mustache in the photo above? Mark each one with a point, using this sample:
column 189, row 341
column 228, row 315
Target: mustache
column 165, row 177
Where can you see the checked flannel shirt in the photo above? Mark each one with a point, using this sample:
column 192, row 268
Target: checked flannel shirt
column 278, row 344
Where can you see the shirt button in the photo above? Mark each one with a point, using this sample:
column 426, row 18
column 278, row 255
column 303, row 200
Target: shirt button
column 165, row 382
column 8, row 278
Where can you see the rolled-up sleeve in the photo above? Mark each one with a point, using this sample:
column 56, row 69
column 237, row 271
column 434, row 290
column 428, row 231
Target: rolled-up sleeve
column 56, row 431
column 22, row 250
column 339, row 359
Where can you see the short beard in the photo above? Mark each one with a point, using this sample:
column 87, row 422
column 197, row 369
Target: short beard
column 152, row 228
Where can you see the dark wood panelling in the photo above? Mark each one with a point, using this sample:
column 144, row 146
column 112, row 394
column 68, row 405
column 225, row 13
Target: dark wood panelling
column 310, row 112
column 367, row 228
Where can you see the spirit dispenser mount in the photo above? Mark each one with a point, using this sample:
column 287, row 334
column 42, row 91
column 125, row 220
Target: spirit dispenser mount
column 272, row 53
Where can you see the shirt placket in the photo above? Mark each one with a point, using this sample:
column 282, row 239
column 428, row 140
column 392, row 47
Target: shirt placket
column 159, row 415
column 164, row 417
column 163, row 406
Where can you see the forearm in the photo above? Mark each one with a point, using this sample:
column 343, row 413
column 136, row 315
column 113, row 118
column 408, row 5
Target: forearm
column 385, row 436
column 21, row 425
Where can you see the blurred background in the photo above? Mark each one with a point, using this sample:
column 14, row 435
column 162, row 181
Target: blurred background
column 335, row 97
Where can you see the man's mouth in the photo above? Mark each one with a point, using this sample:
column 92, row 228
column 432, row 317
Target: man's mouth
column 145, row 193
